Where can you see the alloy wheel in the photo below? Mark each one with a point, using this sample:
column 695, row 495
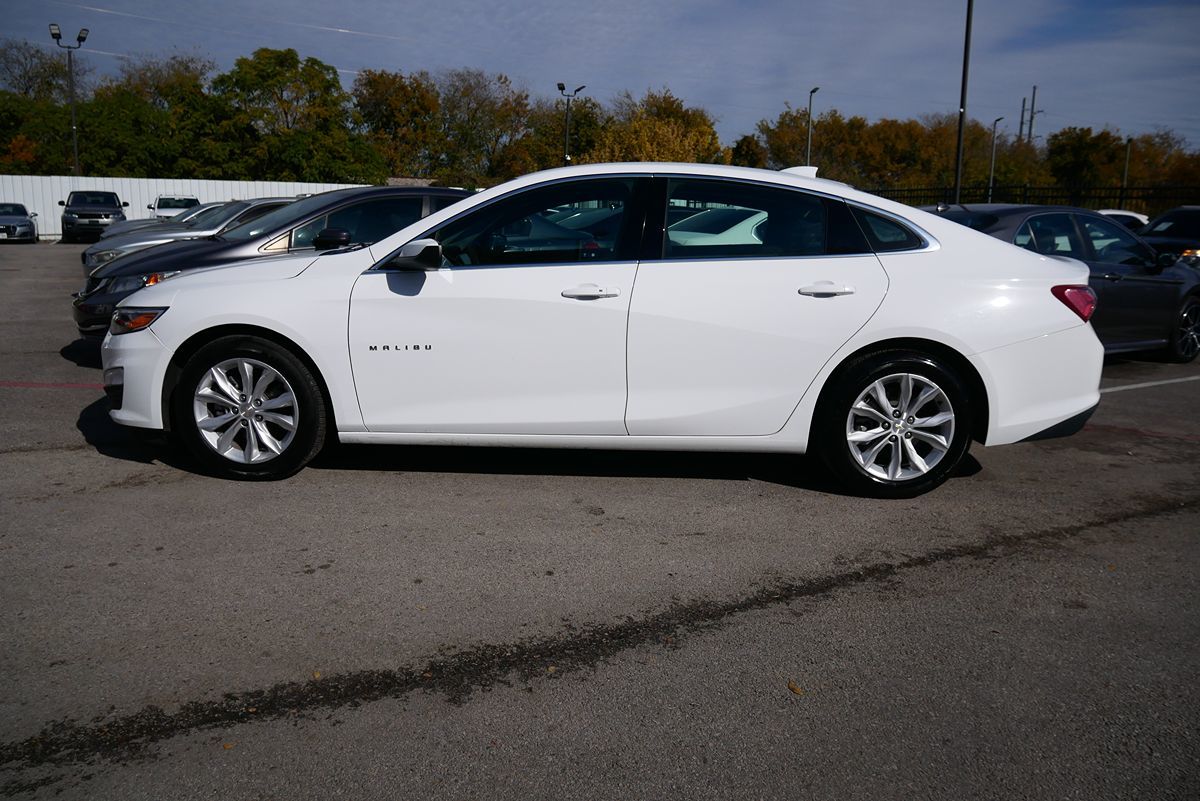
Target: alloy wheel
column 900, row 427
column 245, row 411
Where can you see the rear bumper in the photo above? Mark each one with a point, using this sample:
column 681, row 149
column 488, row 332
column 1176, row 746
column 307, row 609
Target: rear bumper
column 1041, row 387
column 1066, row 428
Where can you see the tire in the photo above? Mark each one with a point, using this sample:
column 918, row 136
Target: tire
column 887, row 446
column 244, row 434
column 1185, row 332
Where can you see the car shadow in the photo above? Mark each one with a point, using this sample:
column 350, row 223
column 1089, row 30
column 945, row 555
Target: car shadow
column 83, row 353
column 122, row 442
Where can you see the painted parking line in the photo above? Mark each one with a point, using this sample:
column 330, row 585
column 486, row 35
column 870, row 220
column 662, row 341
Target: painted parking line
column 46, row 385
column 1146, row 384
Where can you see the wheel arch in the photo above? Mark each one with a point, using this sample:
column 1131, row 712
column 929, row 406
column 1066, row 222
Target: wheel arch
column 201, row 338
column 976, row 389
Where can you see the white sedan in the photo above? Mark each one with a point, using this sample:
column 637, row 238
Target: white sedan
column 881, row 337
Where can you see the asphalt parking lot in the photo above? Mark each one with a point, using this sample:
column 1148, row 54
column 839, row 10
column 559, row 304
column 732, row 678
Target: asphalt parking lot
column 466, row 623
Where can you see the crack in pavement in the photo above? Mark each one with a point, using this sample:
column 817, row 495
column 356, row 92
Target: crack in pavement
column 457, row 675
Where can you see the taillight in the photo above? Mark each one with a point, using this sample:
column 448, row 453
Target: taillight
column 1079, row 299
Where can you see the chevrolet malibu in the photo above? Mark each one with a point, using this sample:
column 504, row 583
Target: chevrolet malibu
column 880, row 337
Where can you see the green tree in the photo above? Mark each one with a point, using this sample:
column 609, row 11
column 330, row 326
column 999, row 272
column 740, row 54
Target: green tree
column 38, row 72
column 401, row 116
column 481, row 115
column 658, row 127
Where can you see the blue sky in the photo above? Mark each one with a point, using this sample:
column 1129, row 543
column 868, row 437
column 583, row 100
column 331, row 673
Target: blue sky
column 1132, row 66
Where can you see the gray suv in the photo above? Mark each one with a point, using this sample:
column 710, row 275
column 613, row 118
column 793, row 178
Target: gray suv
column 87, row 213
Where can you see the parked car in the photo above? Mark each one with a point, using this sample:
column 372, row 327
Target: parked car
column 1147, row 301
column 341, row 218
column 87, row 213
column 879, row 336
column 719, row 226
column 210, row 223
column 1132, row 220
column 165, row 207
column 17, row 224
column 1176, row 231
column 137, row 225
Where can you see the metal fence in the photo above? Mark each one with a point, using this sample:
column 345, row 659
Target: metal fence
column 41, row 193
column 1145, row 199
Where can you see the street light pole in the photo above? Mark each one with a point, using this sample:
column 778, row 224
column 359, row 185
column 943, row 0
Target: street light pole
column 808, row 149
column 1125, row 173
column 56, row 35
column 562, row 89
column 992, row 168
column 962, row 106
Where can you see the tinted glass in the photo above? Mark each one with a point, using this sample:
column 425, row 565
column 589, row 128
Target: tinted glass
column 972, row 219
column 215, row 216
column 1184, row 223
column 1054, row 235
column 281, row 217
column 1112, row 244
column 255, row 212
column 177, row 202
column 12, row 208
column 439, row 203
column 884, row 234
column 728, row 219
column 93, row 199
column 517, row 230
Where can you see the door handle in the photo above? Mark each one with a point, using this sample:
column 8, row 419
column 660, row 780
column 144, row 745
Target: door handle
column 1112, row 276
column 590, row 292
column 825, row 289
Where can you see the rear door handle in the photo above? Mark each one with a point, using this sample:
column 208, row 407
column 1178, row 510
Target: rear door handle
column 590, row 292
column 825, row 289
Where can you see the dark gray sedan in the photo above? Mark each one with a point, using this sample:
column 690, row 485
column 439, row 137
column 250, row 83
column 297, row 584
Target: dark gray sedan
column 1147, row 301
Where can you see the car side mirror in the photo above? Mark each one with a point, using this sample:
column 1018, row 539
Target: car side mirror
column 32, row 214
column 1166, row 260
column 62, row 202
column 126, row 203
column 330, row 238
column 419, row 254
column 149, row 206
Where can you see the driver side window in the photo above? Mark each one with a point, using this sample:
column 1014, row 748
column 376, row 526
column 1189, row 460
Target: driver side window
column 575, row 221
column 1113, row 245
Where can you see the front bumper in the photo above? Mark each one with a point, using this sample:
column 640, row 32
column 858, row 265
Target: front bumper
column 94, row 312
column 142, row 362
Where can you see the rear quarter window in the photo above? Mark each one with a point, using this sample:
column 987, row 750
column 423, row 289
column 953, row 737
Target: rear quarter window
column 885, row 234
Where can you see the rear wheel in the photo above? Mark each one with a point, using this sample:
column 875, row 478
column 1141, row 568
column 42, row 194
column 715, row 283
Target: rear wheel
column 247, row 408
column 1185, row 336
column 894, row 424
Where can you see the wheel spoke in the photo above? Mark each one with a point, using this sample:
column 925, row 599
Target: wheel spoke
column 880, row 393
column 252, row 450
column 265, row 437
column 222, row 383
column 218, row 422
column 225, row 441
column 894, row 462
column 872, row 412
column 914, row 458
column 935, row 440
column 264, row 381
column 933, row 420
column 246, row 373
column 284, row 421
column 872, row 453
column 209, row 395
column 926, row 395
column 279, row 402
column 906, row 388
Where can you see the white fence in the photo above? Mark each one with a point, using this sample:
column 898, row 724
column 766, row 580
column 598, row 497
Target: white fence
column 41, row 193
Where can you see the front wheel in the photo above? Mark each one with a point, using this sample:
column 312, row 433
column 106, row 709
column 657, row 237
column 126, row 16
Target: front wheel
column 247, row 408
column 894, row 424
column 1185, row 335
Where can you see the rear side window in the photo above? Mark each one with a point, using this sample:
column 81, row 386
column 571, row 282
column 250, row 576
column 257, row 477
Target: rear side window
column 885, row 234
column 710, row 219
column 1051, row 235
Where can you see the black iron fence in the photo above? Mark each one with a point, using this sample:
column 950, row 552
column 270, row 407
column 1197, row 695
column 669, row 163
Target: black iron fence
column 1145, row 199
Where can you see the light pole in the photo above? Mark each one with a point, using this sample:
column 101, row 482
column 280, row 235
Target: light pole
column 962, row 106
column 1125, row 173
column 992, row 168
column 562, row 89
column 808, row 150
column 56, row 35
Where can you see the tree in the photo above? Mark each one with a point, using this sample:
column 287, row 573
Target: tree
column 401, row 116
column 658, row 127
column 40, row 73
column 749, row 151
column 481, row 115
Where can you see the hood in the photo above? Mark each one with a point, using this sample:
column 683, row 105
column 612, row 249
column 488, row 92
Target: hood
column 267, row 268
column 1171, row 243
column 142, row 237
column 184, row 254
column 13, row 219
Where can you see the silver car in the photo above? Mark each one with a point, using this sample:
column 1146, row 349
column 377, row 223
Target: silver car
column 210, row 223
column 17, row 224
column 154, row 222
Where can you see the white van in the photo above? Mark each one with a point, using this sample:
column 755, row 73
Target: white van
column 165, row 207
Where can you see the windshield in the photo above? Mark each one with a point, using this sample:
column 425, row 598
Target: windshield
column 1184, row 224
column 284, row 215
column 177, row 202
column 93, row 199
column 12, row 209
column 214, row 216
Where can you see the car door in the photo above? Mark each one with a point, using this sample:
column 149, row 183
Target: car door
column 726, row 335
column 522, row 331
column 1147, row 295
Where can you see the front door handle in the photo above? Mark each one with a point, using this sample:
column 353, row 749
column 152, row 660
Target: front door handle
column 590, row 292
column 1112, row 276
column 825, row 289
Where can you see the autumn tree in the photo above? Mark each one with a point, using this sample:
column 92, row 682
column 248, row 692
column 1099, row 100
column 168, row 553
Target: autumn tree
column 37, row 72
column 401, row 115
column 658, row 127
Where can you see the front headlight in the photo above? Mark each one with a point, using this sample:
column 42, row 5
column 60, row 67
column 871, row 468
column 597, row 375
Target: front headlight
column 126, row 321
column 132, row 283
column 104, row 256
column 69, row 215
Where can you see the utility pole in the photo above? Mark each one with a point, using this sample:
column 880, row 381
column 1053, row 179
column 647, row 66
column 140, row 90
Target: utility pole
column 56, row 35
column 562, row 89
column 1125, row 173
column 1033, row 112
column 962, row 106
column 1021, row 129
column 992, row 168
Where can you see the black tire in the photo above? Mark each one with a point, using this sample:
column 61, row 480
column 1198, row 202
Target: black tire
column 1185, row 332
column 871, row 474
column 306, row 412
